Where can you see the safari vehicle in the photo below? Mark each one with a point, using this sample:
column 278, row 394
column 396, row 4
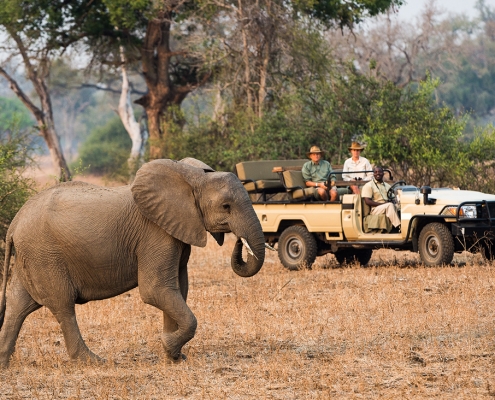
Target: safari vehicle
column 434, row 222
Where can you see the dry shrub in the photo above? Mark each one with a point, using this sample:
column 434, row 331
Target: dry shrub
column 393, row 330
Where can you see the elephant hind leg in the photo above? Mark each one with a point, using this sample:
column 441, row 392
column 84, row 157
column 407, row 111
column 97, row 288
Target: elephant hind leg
column 76, row 347
column 19, row 305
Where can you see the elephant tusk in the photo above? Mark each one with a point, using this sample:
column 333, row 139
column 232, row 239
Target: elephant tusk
column 245, row 243
column 269, row 247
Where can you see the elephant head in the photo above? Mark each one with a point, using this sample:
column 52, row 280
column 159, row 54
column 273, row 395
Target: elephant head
column 188, row 199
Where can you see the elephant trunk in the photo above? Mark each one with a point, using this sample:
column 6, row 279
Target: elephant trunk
column 255, row 243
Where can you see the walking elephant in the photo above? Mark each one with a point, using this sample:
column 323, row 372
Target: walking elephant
column 77, row 242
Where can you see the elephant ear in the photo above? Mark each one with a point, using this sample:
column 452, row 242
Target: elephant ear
column 163, row 193
column 197, row 164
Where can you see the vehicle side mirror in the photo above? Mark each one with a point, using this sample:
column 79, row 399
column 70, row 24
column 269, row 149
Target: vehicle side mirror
column 425, row 191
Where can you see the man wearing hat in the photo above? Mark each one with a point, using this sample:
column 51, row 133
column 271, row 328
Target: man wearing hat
column 356, row 163
column 316, row 173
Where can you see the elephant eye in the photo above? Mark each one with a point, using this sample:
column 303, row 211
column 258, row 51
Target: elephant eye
column 226, row 207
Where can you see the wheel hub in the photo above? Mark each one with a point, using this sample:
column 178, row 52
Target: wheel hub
column 432, row 245
column 294, row 248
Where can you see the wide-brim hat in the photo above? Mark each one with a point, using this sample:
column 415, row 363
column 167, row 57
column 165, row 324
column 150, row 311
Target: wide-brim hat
column 314, row 149
column 356, row 146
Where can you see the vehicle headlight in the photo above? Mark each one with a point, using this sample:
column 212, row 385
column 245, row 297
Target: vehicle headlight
column 464, row 212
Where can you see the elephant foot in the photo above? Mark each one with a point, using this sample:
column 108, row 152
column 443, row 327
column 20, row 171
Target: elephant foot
column 5, row 360
column 176, row 360
column 89, row 358
column 171, row 348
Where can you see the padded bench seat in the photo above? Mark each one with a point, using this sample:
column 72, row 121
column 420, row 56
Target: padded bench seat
column 258, row 176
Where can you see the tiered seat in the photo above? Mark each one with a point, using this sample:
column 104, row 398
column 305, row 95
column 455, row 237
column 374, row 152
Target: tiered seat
column 258, row 176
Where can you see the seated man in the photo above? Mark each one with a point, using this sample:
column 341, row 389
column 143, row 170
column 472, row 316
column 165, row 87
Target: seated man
column 374, row 194
column 316, row 173
column 356, row 163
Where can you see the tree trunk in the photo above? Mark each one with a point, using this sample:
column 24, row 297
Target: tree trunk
column 164, row 93
column 44, row 116
column 133, row 128
column 44, row 119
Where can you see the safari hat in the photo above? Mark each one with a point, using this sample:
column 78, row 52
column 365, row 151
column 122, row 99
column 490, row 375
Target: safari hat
column 356, row 146
column 314, row 149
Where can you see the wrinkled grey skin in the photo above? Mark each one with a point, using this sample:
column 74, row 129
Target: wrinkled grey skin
column 77, row 242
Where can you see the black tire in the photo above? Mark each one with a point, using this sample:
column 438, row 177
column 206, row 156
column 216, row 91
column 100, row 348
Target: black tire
column 297, row 248
column 436, row 245
column 351, row 255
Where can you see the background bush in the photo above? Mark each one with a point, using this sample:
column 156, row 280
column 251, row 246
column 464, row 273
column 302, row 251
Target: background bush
column 106, row 150
column 15, row 189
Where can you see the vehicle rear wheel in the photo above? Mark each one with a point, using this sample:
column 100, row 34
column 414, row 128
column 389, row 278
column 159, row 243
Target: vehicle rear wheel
column 351, row 255
column 436, row 245
column 297, row 248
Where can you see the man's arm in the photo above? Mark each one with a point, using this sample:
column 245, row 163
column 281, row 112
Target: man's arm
column 370, row 202
column 367, row 194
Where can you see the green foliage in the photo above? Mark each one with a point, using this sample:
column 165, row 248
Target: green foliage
column 481, row 155
column 404, row 129
column 15, row 188
column 13, row 110
column 345, row 13
column 417, row 139
column 106, row 150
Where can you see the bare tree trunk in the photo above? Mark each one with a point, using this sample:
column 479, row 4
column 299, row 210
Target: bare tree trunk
column 43, row 115
column 44, row 121
column 245, row 55
column 163, row 92
column 133, row 128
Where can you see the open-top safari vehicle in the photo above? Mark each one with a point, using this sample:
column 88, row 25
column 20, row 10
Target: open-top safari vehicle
column 434, row 222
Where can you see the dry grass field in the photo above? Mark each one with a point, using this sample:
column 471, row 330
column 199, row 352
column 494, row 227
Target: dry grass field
column 393, row 330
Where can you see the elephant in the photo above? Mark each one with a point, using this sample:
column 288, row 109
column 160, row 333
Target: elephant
column 76, row 242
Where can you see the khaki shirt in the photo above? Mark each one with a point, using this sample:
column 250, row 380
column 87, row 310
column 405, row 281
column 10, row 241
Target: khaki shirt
column 376, row 191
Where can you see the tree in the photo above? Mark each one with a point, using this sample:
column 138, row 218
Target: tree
column 137, row 134
column 38, row 32
column 170, row 41
column 419, row 140
column 455, row 48
column 256, row 47
column 106, row 150
column 15, row 188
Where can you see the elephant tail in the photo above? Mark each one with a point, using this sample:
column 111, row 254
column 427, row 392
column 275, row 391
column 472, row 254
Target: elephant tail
column 6, row 267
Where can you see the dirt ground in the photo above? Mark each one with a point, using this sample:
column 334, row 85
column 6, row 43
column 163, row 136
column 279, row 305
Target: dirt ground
column 393, row 330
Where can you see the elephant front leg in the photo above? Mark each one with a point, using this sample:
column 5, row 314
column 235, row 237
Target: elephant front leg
column 167, row 290
column 178, row 328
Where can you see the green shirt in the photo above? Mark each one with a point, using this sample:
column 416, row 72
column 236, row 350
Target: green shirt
column 317, row 172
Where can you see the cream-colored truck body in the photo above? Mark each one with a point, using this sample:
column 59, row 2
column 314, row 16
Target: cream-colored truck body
column 434, row 222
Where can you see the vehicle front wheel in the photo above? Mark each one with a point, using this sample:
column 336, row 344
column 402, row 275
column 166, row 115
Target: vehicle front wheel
column 350, row 255
column 436, row 245
column 297, row 248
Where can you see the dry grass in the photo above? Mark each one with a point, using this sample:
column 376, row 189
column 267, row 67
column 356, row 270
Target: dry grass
column 396, row 329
